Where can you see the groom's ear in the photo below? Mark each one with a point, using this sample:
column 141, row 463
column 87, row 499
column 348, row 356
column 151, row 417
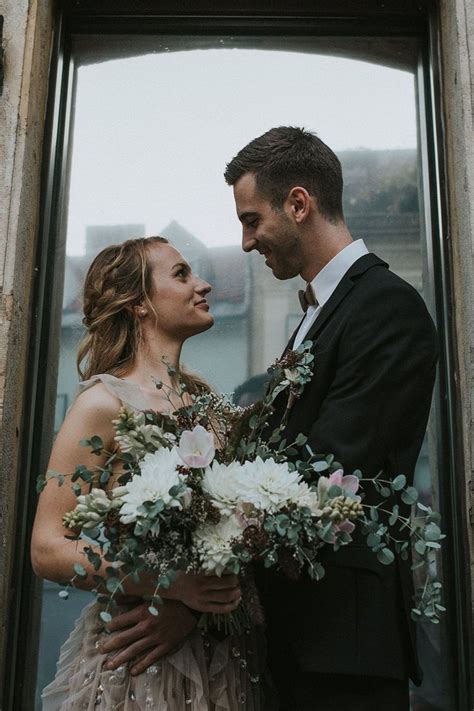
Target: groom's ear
column 298, row 203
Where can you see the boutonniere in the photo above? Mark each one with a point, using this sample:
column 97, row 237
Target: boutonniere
column 291, row 372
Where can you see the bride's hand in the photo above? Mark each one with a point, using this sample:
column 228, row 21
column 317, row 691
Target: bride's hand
column 142, row 639
column 206, row 593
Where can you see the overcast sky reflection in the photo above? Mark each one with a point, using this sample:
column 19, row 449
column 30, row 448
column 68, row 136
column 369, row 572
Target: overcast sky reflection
column 152, row 134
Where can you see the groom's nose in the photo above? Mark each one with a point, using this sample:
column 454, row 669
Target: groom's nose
column 248, row 243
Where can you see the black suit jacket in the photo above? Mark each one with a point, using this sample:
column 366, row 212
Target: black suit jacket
column 368, row 402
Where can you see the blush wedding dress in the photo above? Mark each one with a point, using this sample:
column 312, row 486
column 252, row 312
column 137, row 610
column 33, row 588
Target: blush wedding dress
column 206, row 673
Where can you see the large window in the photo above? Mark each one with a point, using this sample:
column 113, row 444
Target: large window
column 155, row 122
column 142, row 122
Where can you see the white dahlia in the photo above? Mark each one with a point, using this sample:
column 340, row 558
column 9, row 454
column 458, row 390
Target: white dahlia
column 269, row 485
column 222, row 483
column 158, row 475
column 214, row 543
column 305, row 496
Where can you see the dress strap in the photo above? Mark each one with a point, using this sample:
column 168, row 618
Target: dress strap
column 129, row 394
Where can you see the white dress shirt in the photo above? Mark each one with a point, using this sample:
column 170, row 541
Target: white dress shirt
column 325, row 283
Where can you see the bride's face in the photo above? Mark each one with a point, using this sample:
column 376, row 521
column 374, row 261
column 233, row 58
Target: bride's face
column 178, row 296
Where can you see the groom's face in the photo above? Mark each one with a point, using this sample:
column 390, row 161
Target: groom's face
column 269, row 231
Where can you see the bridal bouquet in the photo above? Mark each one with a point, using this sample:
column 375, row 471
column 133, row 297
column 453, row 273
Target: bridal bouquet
column 208, row 488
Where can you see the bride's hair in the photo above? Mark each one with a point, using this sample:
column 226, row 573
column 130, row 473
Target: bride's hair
column 117, row 281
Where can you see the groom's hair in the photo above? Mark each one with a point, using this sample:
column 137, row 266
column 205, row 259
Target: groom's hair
column 287, row 156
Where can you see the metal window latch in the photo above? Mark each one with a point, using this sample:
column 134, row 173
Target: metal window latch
column 1, row 55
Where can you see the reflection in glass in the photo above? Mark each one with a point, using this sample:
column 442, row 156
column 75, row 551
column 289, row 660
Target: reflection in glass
column 152, row 134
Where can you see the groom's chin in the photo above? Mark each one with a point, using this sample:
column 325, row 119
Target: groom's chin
column 283, row 274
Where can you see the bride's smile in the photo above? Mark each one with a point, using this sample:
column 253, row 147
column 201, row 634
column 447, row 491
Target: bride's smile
column 177, row 303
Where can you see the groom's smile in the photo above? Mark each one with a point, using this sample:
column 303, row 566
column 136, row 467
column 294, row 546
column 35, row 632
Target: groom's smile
column 266, row 229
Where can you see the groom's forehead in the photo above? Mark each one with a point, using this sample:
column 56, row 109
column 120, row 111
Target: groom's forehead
column 247, row 196
column 246, row 185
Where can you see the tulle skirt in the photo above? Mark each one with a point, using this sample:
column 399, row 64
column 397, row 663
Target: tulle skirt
column 204, row 674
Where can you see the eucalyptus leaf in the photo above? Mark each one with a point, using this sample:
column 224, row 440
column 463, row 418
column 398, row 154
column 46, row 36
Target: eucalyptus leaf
column 113, row 585
column 410, row 495
column 420, row 547
column 394, row 517
column 399, row 482
column 385, row 556
column 96, row 444
column 432, row 532
column 373, row 540
column 80, row 570
column 104, row 477
column 374, row 514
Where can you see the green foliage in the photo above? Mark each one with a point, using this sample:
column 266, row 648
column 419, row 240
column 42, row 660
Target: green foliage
column 159, row 540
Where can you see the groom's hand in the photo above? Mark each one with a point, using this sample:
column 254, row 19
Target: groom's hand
column 137, row 633
column 206, row 593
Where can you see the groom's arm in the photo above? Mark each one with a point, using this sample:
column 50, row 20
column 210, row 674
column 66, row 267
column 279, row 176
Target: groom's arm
column 379, row 400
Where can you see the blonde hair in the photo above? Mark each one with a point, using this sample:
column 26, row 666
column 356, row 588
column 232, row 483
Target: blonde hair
column 117, row 281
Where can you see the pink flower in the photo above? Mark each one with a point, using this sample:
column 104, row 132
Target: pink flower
column 349, row 483
column 346, row 526
column 196, row 447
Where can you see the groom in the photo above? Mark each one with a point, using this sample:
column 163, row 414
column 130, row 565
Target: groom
column 345, row 642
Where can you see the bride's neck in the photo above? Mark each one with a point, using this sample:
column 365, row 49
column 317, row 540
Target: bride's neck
column 155, row 355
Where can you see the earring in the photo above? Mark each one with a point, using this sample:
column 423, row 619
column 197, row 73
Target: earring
column 142, row 313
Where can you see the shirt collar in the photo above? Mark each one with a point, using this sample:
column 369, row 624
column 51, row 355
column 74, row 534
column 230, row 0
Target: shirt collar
column 326, row 281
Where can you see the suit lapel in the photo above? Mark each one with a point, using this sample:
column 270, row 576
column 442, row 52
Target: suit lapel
column 289, row 345
column 347, row 282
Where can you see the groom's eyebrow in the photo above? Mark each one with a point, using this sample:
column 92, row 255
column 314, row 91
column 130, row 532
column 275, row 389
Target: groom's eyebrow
column 246, row 215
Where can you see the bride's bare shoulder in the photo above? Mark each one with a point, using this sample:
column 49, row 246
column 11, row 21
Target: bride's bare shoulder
column 96, row 401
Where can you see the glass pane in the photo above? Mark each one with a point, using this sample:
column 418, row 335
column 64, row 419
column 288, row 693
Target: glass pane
column 156, row 120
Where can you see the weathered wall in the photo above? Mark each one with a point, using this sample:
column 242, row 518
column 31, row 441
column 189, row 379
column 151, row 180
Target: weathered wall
column 27, row 43
column 457, row 48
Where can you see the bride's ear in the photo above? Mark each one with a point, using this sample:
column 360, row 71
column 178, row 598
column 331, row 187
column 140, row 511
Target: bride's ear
column 140, row 310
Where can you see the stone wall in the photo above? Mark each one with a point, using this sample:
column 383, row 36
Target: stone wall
column 457, row 50
column 27, row 45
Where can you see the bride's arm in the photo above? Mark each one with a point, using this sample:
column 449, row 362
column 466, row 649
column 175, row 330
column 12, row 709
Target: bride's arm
column 53, row 556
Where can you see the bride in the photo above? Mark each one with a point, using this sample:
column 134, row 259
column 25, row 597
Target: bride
column 141, row 302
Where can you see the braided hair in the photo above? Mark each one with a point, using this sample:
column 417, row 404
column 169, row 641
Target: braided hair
column 118, row 280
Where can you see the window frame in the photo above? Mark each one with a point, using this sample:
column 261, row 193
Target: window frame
column 267, row 17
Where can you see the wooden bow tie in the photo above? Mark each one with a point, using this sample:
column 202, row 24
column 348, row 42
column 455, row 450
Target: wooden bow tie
column 307, row 297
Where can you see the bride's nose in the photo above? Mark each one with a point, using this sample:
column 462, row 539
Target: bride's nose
column 203, row 287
